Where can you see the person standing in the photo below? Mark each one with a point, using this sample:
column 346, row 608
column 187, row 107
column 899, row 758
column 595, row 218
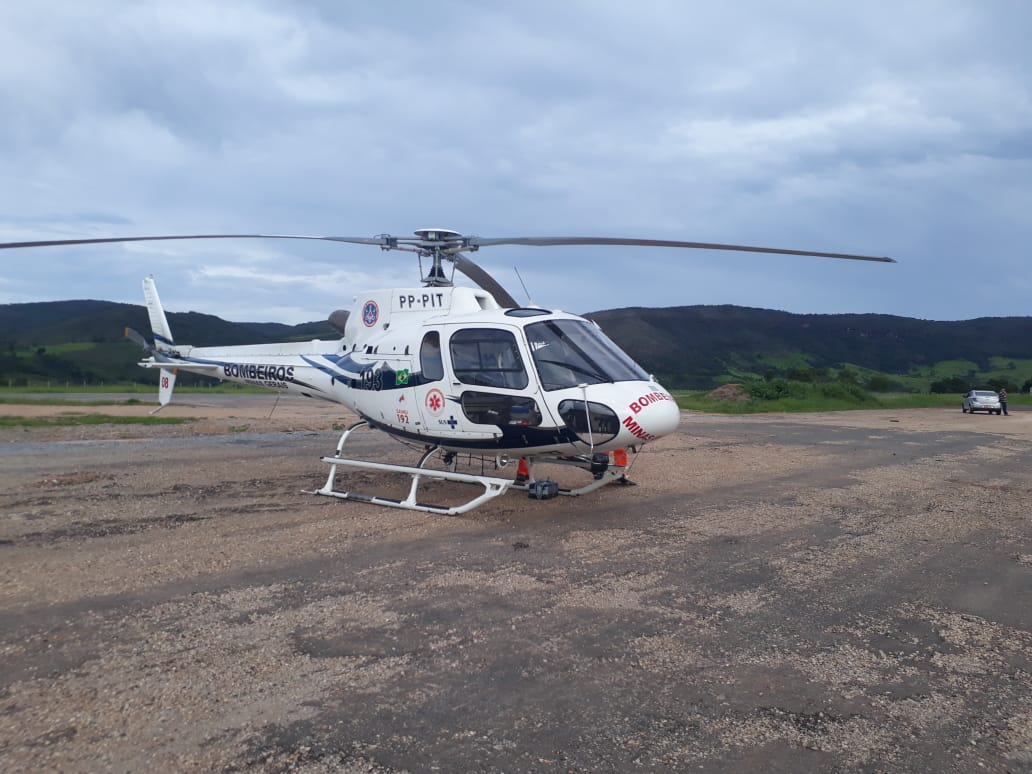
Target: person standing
column 1003, row 400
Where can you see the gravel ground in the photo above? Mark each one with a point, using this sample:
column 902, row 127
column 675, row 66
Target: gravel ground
column 844, row 591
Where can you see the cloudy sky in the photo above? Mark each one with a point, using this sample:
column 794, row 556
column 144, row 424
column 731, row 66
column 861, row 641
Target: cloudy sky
column 886, row 128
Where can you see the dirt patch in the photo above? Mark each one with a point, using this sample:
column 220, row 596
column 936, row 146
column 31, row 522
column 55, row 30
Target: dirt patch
column 779, row 592
column 735, row 393
column 73, row 478
column 202, row 415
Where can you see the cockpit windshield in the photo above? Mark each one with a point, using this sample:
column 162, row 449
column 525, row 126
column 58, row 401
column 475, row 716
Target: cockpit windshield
column 572, row 352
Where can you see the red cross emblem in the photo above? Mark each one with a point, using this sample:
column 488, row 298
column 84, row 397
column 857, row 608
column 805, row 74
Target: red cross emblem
column 435, row 401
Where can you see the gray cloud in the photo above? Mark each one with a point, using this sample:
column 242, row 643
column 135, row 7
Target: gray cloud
column 901, row 130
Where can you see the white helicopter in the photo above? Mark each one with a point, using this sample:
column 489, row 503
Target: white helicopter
column 453, row 370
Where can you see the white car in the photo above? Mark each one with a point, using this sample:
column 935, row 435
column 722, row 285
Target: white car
column 982, row 400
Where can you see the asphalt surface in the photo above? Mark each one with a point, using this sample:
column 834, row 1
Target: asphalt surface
column 777, row 594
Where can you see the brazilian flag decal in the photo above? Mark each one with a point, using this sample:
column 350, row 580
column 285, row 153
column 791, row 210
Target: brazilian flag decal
column 401, row 377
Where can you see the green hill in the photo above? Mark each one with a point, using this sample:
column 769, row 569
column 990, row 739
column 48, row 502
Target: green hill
column 83, row 342
column 702, row 346
column 691, row 347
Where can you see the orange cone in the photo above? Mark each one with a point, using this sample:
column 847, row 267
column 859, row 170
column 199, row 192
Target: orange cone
column 523, row 470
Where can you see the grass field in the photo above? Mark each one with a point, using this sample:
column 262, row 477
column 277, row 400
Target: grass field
column 697, row 401
column 120, row 387
column 88, row 419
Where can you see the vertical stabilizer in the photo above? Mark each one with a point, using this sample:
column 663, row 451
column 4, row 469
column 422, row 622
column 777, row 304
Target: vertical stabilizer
column 159, row 325
column 166, row 383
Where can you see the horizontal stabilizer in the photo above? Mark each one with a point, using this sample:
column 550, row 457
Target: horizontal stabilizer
column 207, row 369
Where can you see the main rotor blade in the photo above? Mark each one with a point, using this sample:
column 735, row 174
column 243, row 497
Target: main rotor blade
column 473, row 242
column 556, row 241
column 476, row 273
column 380, row 241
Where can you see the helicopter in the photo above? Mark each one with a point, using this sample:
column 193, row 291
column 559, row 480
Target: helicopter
column 452, row 370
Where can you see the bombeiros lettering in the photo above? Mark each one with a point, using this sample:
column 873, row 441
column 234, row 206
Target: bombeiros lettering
column 259, row 372
column 645, row 400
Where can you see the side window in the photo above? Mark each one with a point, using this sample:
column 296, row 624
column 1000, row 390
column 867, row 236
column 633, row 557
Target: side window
column 487, row 357
column 430, row 362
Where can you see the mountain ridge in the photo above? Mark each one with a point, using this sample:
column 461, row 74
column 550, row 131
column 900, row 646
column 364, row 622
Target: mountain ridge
column 695, row 346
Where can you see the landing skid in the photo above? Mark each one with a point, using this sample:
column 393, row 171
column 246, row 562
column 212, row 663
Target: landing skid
column 493, row 485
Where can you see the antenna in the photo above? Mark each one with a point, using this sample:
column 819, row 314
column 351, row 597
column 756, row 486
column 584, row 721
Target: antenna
column 530, row 301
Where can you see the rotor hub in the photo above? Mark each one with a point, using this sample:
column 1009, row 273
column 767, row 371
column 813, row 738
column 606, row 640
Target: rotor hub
column 444, row 235
column 436, row 244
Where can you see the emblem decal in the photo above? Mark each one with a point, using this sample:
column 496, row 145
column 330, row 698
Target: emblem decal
column 370, row 313
column 435, row 402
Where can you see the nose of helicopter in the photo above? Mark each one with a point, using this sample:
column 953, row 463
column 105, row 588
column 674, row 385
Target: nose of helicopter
column 650, row 415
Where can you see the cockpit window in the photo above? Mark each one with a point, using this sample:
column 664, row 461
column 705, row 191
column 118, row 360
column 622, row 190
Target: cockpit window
column 487, row 357
column 571, row 352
